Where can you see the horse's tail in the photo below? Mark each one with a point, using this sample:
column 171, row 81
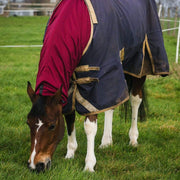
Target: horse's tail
column 126, row 107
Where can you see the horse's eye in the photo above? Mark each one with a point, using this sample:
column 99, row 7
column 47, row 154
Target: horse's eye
column 51, row 127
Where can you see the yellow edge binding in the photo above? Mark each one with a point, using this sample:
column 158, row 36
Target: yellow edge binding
column 85, row 103
column 121, row 54
column 150, row 54
column 103, row 110
column 144, row 48
column 93, row 20
column 91, row 11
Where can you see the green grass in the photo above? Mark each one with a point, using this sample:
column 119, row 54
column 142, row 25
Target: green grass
column 158, row 153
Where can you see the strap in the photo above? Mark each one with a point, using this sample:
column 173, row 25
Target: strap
column 76, row 94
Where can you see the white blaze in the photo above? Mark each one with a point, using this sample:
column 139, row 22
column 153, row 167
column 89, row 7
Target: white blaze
column 39, row 125
column 33, row 156
column 32, row 165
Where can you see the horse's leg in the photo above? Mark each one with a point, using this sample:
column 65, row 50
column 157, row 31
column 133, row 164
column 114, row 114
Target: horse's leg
column 72, row 143
column 107, row 134
column 90, row 126
column 136, row 99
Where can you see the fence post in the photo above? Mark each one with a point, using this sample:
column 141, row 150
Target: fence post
column 160, row 9
column 168, row 23
column 162, row 23
column 175, row 22
column 177, row 48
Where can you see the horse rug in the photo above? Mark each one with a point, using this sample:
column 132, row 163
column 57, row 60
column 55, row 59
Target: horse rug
column 103, row 39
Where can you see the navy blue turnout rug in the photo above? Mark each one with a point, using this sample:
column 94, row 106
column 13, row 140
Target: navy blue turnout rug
column 125, row 36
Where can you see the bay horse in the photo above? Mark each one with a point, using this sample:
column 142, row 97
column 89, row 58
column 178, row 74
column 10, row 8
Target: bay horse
column 88, row 47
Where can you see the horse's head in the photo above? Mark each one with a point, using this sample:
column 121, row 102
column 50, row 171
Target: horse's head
column 46, row 127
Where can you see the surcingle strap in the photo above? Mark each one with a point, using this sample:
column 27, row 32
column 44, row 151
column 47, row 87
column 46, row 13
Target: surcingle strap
column 74, row 90
column 86, row 68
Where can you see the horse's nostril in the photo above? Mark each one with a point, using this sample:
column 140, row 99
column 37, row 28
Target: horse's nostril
column 48, row 165
column 40, row 167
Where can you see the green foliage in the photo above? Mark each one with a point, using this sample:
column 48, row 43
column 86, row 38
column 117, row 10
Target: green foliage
column 156, row 157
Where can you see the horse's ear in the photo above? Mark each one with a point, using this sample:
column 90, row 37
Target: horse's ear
column 57, row 96
column 31, row 92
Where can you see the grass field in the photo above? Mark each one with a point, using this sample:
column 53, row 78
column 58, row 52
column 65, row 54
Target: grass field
column 158, row 153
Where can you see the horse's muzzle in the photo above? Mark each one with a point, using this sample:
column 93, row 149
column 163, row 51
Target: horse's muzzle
column 41, row 166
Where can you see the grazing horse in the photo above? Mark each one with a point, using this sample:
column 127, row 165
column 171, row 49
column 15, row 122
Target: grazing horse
column 88, row 46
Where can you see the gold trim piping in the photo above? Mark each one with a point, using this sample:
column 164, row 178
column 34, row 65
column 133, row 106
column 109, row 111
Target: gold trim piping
column 91, row 11
column 150, row 54
column 146, row 45
column 132, row 74
column 103, row 110
column 121, row 54
column 93, row 20
column 139, row 76
column 90, row 39
column 84, row 102
column 143, row 49
column 86, row 68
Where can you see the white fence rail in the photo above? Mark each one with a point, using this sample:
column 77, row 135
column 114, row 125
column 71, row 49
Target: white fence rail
column 48, row 8
column 20, row 46
column 164, row 30
column 178, row 36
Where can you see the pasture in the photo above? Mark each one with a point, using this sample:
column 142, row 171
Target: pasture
column 158, row 153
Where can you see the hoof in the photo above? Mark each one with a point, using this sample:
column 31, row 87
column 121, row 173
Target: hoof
column 89, row 169
column 90, row 164
column 102, row 146
column 133, row 143
column 69, row 156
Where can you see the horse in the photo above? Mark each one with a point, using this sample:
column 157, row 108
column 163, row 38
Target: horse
column 93, row 51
